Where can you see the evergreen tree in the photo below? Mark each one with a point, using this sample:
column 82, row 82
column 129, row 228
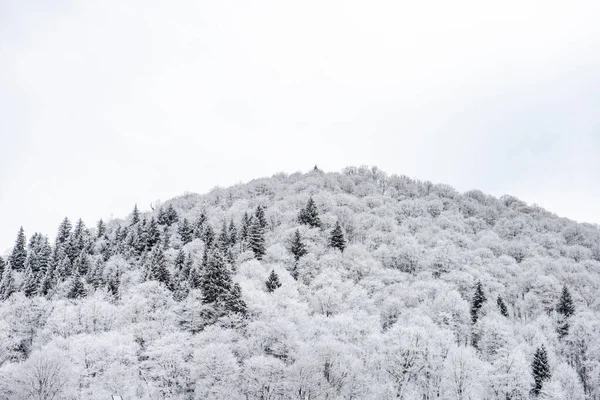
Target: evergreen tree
column 100, row 229
column 232, row 233
column 113, row 283
column 81, row 265
column 18, row 257
column 47, row 281
column 259, row 215
column 39, row 253
column 256, row 239
column 502, row 307
column 195, row 278
column 2, row 266
column 64, row 232
column 162, row 216
column 7, row 284
column 180, row 260
column 223, row 241
column 208, row 237
column 30, row 284
column 233, row 301
column 96, row 278
column 477, row 302
column 78, row 241
column 310, row 215
column 157, row 269
column 199, row 225
column 216, row 281
column 185, row 231
column 272, row 282
column 540, row 369
column 336, row 238
column 172, row 216
column 135, row 215
column 152, row 234
column 245, row 227
column 565, row 309
column 297, row 248
column 76, row 288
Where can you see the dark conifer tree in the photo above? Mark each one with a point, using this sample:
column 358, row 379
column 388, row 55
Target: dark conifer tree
column 477, row 302
column 135, row 215
column 18, row 257
column 223, row 241
column 76, row 288
column 259, row 215
column 195, row 278
column 199, row 225
column 7, row 283
column 161, row 218
column 30, row 284
column 64, row 232
column 233, row 301
column 2, row 266
column 540, row 369
column 39, row 254
column 96, row 278
column 216, row 281
column 78, row 241
column 297, row 247
column 47, row 281
column 502, row 307
column 100, row 229
column 309, row 215
column 209, row 237
column 185, row 231
column 232, row 233
column 245, row 227
column 337, row 239
column 272, row 282
column 81, row 265
column 152, row 234
column 158, row 267
column 256, row 239
column 565, row 310
column 180, row 260
column 113, row 284
column 172, row 216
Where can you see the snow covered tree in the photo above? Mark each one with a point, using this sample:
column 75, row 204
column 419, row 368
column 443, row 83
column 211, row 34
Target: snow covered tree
column 64, row 232
column 297, row 247
column 216, row 281
column 565, row 310
column 7, row 284
column 256, row 239
column 152, row 234
column 135, row 215
column 185, row 231
column 100, row 229
column 245, row 227
column 233, row 236
column 30, row 283
column 502, row 307
column 336, row 238
column 259, row 215
column 233, row 302
column 2, row 266
column 540, row 369
column 477, row 302
column 76, row 288
column 272, row 282
column 19, row 253
column 309, row 215
column 157, row 267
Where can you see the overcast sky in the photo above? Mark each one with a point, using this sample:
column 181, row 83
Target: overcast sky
column 104, row 104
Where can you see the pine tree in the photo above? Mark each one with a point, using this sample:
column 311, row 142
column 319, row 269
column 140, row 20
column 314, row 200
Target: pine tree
column 135, row 215
column 76, row 288
column 157, row 269
column 216, row 280
column 172, row 216
column 259, row 215
column 208, row 237
column 161, row 218
column 223, row 241
column 64, row 232
column 232, row 233
column 233, row 302
column 7, row 284
column 297, row 248
column 96, row 278
column 100, row 229
column 152, row 234
column 336, row 238
column 502, row 307
column 2, row 266
column 540, row 369
column 81, row 265
column 19, row 253
column 185, row 231
column 47, row 281
column 565, row 309
column 245, row 227
column 179, row 260
column 256, row 239
column 309, row 215
column 199, row 225
column 113, row 284
column 272, row 282
column 30, row 284
column 477, row 302
column 39, row 253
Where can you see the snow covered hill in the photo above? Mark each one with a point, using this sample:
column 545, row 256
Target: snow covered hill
column 351, row 285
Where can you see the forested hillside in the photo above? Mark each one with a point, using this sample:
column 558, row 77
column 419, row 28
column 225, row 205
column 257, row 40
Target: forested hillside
column 351, row 285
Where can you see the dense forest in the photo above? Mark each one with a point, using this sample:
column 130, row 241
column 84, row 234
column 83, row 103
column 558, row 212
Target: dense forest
column 349, row 285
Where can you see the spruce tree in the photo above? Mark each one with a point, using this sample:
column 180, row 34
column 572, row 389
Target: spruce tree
column 172, row 216
column 477, row 302
column 272, row 282
column 30, row 284
column 245, row 227
column 336, row 238
column 223, row 241
column 19, row 253
column 185, row 231
column 158, row 267
column 135, row 215
column 256, row 239
column 297, row 248
column 113, row 284
column 502, row 307
column 233, row 302
column 216, row 280
column 7, row 284
column 199, row 225
column 76, row 288
column 180, row 260
column 565, row 309
column 81, row 265
column 309, row 215
column 540, row 369
column 208, row 237
column 96, row 278
column 64, row 232
column 2, row 266
column 161, row 218
column 100, row 229
column 152, row 234
column 232, row 233
column 259, row 215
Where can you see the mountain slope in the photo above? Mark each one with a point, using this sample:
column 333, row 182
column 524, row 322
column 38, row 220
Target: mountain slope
column 351, row 285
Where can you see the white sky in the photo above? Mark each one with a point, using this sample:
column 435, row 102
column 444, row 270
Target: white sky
column 104, row 105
